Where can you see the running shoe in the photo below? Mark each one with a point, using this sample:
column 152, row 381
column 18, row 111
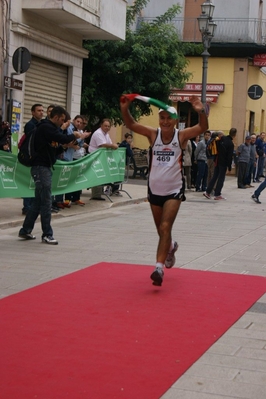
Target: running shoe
column 157, row 276
column 170, row 260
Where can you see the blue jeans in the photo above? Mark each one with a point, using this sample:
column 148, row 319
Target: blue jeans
column 42, row 202
column 260, row 188
column 27, row 203
column 250, row 172
column 201, row 182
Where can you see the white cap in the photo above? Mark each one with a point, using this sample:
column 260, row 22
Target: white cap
column 170, row 110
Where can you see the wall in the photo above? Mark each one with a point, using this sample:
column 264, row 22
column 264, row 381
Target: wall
column 256, row 76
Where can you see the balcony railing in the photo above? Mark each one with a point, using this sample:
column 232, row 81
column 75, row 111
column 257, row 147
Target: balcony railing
column 229, row 30
column 88, row 5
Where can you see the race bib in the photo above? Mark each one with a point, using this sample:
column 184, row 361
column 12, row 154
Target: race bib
column 163, row 158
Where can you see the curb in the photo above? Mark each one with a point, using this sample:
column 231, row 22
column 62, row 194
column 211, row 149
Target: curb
column 18, row 222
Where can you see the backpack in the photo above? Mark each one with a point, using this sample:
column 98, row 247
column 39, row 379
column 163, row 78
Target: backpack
column 211, row 148
column 26, row 147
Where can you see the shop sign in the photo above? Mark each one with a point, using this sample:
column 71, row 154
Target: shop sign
column 217, row 87
column 259, row 60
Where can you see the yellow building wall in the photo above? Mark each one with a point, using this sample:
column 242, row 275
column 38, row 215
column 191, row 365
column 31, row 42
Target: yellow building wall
column 220, row 70
column 257, row 77
column 233, row 106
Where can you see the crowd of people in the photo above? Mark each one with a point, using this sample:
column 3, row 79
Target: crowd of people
column 208, row 159
column 65, row 139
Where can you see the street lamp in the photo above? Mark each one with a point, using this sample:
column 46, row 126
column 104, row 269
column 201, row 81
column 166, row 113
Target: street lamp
column 207, row 29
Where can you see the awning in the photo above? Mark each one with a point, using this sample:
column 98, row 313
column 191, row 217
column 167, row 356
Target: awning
column 211, row 97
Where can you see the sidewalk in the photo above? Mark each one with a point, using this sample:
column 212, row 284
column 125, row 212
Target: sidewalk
column 11, row 208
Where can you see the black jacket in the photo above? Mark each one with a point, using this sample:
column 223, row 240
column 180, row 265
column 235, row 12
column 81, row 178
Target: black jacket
column 225, row 148
column 47, row 143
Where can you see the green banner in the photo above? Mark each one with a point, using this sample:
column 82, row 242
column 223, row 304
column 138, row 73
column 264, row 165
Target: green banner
column 102, row 167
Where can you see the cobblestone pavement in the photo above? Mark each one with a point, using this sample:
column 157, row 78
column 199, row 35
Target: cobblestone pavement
column 220, row 236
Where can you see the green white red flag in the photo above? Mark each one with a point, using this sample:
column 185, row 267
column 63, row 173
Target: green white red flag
column 171, row 110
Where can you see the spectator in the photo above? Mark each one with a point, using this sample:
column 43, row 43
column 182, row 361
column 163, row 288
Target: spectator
column 211, row 152
column 75, row 125
column 187, row 163
column 49, row 110
column 37, row 115
column 5, row 134
column 252, row 162
column 128, row 144
column 194, row 166
column 81, row 151
column 211, row 155
column 84, row 148
column 243, row 152
column 58, row 201
column 225, row 148
column 101, row 139
column 46, row 143
column 201, row 159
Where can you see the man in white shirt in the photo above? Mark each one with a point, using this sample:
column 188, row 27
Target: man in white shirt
column 101, row 139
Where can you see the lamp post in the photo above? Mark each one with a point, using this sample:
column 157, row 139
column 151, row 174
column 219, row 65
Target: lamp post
column 207, row 29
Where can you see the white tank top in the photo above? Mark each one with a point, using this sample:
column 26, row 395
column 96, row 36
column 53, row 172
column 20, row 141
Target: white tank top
column 166, row 175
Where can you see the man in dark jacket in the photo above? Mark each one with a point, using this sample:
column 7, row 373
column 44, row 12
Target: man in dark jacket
column 37, row 115
column 225, row 148
column 47, row 146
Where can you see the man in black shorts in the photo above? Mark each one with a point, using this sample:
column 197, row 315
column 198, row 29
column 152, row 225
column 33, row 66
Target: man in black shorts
column 166, row 183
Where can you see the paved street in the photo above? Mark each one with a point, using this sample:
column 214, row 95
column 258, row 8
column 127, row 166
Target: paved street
column 219, row 236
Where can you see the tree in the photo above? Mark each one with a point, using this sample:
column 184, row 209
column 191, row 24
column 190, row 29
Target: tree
column 150, row 61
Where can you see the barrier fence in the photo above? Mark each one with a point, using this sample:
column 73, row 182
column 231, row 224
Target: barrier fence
column 102, row 167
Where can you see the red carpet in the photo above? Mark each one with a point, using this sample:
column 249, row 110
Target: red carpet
column 106, row 332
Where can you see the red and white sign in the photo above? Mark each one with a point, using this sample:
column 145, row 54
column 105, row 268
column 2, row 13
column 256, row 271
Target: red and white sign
column 198, row 86
column 182, row 96
column 259, row 60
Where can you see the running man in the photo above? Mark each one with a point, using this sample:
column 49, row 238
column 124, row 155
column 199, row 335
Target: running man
column 166, row 185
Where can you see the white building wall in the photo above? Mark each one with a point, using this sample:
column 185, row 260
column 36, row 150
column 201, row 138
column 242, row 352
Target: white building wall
column 45, row 39
column 223, row 8
column 235, row 8
column 156, row 8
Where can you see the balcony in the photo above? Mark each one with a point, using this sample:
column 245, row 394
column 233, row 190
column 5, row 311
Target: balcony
column 230, row 33
column 91, row 19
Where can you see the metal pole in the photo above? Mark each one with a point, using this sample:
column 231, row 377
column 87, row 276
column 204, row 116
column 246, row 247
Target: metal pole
column 205, row 57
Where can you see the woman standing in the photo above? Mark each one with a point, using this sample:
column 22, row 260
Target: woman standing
column 194, row 166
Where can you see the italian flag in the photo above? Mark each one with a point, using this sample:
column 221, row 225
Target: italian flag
column 171, row 110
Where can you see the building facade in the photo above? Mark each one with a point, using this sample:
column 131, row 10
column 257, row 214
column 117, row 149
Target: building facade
column 235, row 66
column 45, row 39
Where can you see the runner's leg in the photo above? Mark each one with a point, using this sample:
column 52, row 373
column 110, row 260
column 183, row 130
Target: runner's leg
column 164, row 218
